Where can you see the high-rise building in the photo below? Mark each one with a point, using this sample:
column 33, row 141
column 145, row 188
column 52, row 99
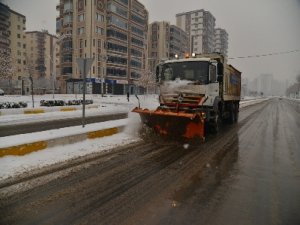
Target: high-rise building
column 200, row 27
column 221, row 41
column 113, row 32
column 159, row 43
column 41, row 52
column 179, row 42
column 12, row 41
column 165, row 41
column 4, row 27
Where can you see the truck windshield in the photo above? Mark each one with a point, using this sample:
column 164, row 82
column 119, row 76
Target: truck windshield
column 193, row 71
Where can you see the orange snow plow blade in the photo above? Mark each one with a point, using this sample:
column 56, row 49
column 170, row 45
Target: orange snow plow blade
column 173, row 124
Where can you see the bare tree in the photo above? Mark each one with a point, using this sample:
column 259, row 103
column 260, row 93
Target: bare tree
column 147, row 80
column 298, row 78
column 30, row 70
column 6, row 65
column 294, row 90
column 7, row 69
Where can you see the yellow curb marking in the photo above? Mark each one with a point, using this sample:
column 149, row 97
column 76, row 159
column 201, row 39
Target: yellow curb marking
column 23, row 149
column 92, row 107
column 67, row 109
column 102, row 133
column 34, row 111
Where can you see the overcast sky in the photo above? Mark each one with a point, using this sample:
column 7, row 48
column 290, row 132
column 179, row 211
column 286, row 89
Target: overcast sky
column 254, row 27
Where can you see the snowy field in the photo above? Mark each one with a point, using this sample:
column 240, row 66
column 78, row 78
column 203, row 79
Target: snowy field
column 11, row 166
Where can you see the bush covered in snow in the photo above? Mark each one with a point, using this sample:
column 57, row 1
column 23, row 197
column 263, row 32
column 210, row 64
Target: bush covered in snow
column 11, row 105
column 50, row 103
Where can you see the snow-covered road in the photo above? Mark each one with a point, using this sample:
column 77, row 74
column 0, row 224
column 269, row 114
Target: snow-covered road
column 14, row 165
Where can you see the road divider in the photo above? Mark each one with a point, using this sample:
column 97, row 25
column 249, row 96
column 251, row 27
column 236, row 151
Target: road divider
column 67, row 109
column 23, row 149
column 22, row 144
column 33, row 111
column 44, row 109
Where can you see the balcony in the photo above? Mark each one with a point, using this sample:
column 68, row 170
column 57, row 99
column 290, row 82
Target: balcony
column 67, row 11
column 58, row 7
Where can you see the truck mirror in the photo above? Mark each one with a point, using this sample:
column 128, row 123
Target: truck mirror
column 157, row 74
column 220, row 69
column 220, row 78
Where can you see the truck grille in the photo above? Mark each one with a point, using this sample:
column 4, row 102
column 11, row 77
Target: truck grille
column 182, row 99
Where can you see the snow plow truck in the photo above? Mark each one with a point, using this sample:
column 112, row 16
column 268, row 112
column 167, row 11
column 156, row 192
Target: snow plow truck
column 197, row 94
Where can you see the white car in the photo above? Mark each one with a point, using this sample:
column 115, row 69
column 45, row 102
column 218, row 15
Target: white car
column 1, row 92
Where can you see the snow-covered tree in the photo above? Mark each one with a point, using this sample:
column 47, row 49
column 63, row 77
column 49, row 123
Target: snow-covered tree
column 147, row 80
column 7, row 68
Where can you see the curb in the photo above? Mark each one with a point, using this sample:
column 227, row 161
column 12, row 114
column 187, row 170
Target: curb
column 27, row 148
column 44, row 110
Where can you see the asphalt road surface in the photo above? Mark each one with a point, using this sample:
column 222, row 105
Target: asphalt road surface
column 6, row 130
column 247, row 174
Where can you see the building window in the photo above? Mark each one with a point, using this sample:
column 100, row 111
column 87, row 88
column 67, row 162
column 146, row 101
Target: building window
column 137, row 42
column 116, row 60
column 19, row 35
column 116, row 47
column 80, row 17
column 116, row 34
column 67, row 19
column 67, row 58
column 100, row 30
column 135, row 75
column 99, row 17
column 68, row 6
column 135, row 63
column 118, row 10
column 81, row 30
column 117, row 72
column 137, row 30
column 118, row 22
column 136, row 52
column 67, row 70
column 137, row 19
column 124, row 2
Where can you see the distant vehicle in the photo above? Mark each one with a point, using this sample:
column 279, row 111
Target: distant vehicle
column 194, row 92
column 1, row 92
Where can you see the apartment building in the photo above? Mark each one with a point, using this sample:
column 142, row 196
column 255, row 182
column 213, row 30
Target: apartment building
column 4, row 27
column 113, row 32
column 179, row 42
column 200, row 27
column 159, row 43
column 12, row 41
column 221, row 41
column 164, row 42
column 41, row 52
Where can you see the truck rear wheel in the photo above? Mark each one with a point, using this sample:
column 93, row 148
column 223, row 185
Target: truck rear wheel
column 214, row 126
column 233, row 114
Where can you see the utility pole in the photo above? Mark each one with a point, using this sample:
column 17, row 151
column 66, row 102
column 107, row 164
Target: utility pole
column 84, row 66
